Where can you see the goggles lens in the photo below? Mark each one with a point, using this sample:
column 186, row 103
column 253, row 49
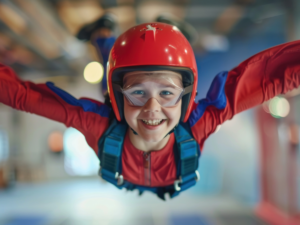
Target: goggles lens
column 139, row 94
column 164, row 86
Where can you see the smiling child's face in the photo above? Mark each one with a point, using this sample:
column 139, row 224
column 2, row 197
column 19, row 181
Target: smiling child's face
column 152, row 121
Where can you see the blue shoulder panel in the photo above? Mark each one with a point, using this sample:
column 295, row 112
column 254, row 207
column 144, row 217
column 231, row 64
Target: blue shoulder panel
column 215, row 97
column 88, row 106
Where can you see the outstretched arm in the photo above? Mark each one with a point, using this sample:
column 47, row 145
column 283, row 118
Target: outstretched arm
column 267, row 74
column 46, row 100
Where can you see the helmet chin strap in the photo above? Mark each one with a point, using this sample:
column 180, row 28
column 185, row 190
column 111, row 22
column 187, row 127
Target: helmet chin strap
column 135, row 133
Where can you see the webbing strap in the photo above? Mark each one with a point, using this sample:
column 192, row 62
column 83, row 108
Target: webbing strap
column 188, row 177
column 110, row 177
column 111, row 165
column 187, row 160
column 107, row 173
column 188, row 156
column 186, row 185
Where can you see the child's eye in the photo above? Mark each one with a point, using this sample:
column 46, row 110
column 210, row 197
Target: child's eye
column 166, row 93
column 138, row 92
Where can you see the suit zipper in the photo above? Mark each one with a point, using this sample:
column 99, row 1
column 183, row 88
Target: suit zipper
column 147, row 169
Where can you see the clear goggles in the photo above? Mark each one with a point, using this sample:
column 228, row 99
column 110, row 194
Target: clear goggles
column 165, row 86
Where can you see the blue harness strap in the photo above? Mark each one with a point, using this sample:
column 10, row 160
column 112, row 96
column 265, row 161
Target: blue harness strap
column 186, row 151
column 110, row 153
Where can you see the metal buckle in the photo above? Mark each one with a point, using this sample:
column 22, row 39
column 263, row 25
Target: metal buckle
column 118, row 177
column 176, row 184
column 120, row 180
column 179, row 181
column 197, row 175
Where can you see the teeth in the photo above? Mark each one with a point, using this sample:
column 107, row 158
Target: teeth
column 152, row 122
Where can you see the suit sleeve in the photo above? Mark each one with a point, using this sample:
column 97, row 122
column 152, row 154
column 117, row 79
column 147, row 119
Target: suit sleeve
column 267, row 74
column 49, row 101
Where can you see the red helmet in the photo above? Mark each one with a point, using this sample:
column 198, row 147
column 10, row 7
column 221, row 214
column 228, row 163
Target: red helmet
column 150, row 47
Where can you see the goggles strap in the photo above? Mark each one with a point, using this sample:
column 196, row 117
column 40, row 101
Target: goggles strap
column 117, row 87
column 188, row 89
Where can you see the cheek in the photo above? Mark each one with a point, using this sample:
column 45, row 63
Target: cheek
column 173, row 113
column 130, row 114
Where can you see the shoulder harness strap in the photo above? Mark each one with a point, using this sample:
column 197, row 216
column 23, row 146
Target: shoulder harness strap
column 110, row 153
column 187, row 153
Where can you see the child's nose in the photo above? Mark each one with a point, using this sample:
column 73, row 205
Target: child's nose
column 152, row 105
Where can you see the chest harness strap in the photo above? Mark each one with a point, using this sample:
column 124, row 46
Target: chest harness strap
column 186, row 152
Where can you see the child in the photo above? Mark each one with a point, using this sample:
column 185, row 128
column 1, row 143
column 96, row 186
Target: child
column 150, row 138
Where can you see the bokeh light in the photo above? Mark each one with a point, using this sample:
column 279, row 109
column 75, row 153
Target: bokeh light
column 55, row 141
column 279, row 107
column 93, row 72
column 80, row 159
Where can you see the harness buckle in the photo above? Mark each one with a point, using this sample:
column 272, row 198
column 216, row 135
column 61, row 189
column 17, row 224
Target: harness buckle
column 176, row 184
column 118, row 177
column 197, row 175
column 120, row 180
column 179, row 181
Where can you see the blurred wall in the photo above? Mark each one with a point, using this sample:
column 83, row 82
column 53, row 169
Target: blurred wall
column 230, row 160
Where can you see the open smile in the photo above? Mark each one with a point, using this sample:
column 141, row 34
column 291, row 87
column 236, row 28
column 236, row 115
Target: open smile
column 153, row 124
